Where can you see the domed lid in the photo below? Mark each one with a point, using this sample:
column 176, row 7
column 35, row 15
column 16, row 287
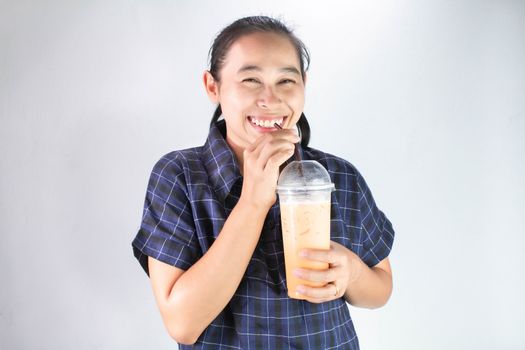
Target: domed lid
column 304, row 175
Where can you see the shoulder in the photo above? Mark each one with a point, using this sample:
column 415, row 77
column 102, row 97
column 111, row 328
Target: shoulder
column 178, row 165
column 345, row 176
column 335, row 165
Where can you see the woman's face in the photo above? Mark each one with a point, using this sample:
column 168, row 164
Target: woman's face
column 260, row 84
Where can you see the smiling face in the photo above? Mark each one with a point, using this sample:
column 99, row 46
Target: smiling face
column 260, row 84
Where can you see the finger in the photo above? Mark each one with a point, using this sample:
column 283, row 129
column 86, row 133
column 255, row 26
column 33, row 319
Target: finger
column 323, row 276
column 275, row 161
column 265, row 147
column 283, row 134
column 318, row 301
column 255, row 147
column 255, row 150
column 330, row 256
column 289, row 134
column 317, row 294
column 273, row 148
column 276, row 136
column 259, row 145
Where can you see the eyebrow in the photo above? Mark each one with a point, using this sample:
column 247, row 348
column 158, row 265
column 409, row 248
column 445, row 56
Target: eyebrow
column 247, row 68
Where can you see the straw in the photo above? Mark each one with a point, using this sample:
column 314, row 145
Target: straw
column 297, row 154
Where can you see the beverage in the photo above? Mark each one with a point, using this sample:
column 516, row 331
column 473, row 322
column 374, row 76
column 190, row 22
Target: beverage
column 304, row 190
column 304, row 225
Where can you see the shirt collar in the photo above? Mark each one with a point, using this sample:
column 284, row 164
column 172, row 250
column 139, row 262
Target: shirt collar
column 219, row 160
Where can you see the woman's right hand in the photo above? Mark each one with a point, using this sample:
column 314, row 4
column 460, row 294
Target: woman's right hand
column 262, row 160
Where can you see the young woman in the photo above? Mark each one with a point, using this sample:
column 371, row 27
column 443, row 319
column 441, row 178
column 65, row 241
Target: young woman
column 210, row 237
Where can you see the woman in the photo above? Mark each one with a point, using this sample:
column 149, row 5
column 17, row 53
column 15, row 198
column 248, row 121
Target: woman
column 210, row 237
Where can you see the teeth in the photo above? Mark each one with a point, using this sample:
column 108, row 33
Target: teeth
column 266, row 123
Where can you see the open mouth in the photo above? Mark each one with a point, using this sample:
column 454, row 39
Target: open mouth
column 267, row 123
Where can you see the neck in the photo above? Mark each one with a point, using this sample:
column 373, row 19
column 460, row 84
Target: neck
column 238, row 151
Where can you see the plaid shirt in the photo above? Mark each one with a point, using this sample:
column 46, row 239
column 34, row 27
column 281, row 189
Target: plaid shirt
column 189, row 197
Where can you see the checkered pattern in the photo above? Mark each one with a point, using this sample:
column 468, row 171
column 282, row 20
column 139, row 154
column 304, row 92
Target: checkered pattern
column 191, row 193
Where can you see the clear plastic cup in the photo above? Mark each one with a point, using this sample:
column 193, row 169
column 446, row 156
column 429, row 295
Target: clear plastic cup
column 304, row 190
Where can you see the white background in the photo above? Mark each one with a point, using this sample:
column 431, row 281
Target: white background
column 426, row 98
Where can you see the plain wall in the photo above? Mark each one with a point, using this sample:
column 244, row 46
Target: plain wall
column 426, row 98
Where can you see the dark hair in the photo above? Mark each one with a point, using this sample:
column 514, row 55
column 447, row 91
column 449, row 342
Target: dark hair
column 248, row 25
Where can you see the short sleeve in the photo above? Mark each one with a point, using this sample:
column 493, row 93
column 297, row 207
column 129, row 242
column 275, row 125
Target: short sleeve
column 377, row 233
column 167, row 231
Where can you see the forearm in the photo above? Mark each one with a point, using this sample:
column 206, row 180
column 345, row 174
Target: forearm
column 370, row 287
column 203, row 291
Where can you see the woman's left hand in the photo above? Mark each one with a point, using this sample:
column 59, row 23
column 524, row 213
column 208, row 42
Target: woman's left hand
column 344, row 268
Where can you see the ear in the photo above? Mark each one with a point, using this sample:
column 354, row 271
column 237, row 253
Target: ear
column 211, row 86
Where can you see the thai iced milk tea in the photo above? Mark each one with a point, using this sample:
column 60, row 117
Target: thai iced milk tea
column 305, row 224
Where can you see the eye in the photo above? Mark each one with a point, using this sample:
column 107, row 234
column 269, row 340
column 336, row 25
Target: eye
column 251, row 80
column 287, row 81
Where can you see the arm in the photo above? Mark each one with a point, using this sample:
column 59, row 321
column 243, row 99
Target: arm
column 372, row 287
column 190, row 300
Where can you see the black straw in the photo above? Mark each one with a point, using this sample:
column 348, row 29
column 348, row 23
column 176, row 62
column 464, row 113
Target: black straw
column 297, row 154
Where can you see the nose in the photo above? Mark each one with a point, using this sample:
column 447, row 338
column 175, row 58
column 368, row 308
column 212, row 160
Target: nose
column 268, row 98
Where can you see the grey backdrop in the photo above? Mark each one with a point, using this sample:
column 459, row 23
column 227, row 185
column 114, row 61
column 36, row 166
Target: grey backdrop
column 426, row 98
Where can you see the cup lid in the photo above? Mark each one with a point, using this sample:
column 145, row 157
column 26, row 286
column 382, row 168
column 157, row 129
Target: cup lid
column 304, row 175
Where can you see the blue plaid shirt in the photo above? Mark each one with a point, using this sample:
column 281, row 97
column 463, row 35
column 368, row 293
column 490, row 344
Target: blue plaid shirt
column 189, row 197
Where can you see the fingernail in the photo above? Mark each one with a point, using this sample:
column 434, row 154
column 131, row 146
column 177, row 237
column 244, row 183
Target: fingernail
column 303, row 253
column 299, row 290
column 297, row 273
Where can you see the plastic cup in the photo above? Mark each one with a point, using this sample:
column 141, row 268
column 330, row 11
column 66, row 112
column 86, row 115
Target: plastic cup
column 304, row 190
